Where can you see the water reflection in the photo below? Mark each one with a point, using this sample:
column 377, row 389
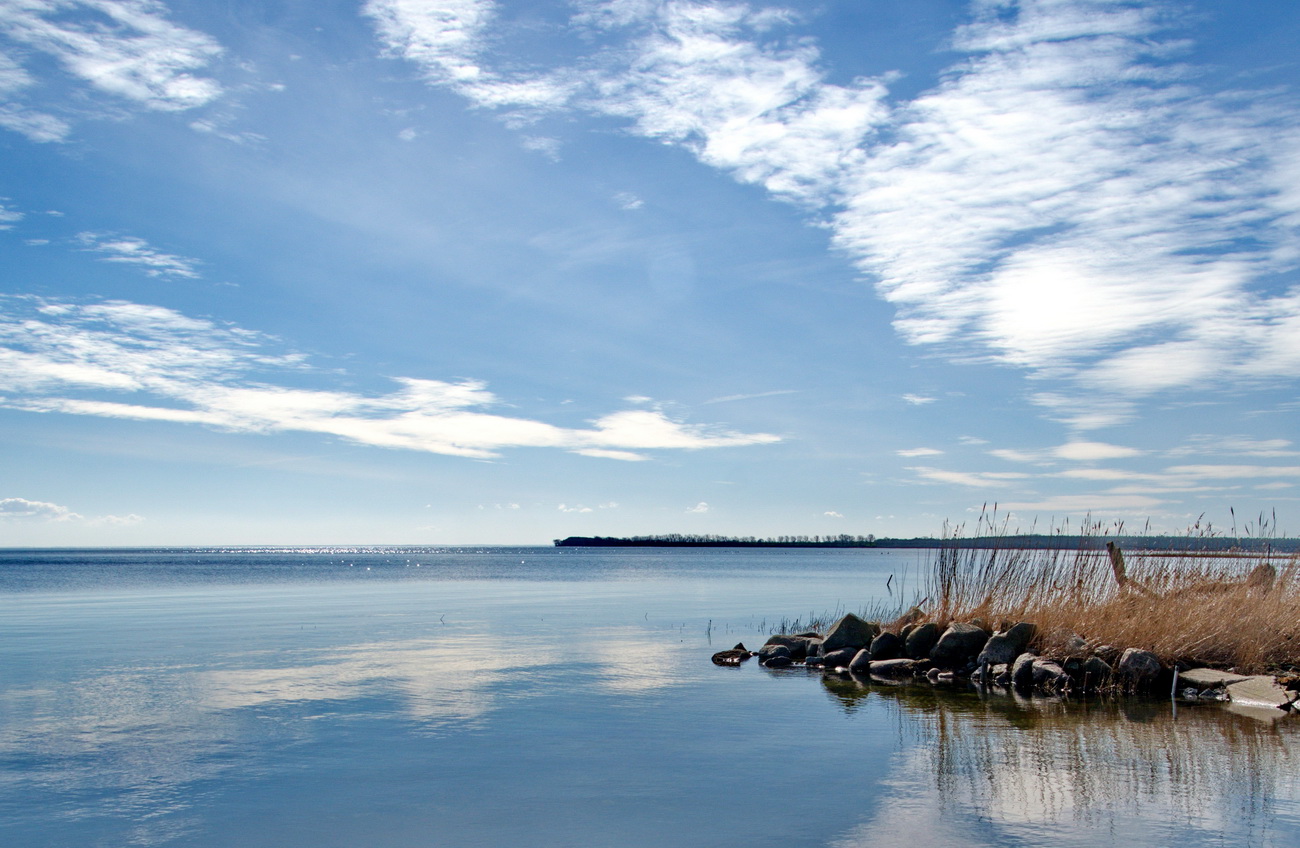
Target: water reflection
column 998, row 769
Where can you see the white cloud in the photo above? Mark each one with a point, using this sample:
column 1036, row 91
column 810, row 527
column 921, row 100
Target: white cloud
column 135, row 251
column 699, row 507
column 628, row 201
column 1239, row 445
column 832, row 514
column 1089, row 451
column 1093, row 504
column 168, row 367
column 1065, row 200
column 125, row 48
column 1231, row 472
column 966, row 478
column 13, row 508
column 9, row 217
column 578, row 508
column 918, row 400
column 912, row 452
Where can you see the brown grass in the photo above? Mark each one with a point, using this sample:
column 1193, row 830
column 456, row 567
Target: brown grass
column 1191, row 607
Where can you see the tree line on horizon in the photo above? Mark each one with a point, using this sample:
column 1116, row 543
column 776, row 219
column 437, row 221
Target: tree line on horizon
column 1041, row 541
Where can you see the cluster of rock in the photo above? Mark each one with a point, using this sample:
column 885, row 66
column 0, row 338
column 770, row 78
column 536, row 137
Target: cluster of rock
column 959, row 651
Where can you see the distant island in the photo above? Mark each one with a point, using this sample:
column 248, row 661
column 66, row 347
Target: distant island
column 1041, row 541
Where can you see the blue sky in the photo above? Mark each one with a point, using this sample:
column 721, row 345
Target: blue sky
column 478, row 271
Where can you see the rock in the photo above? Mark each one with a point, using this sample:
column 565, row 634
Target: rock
column 958, row 645
column 1138, row 666
column 921, row 640
column 1022, row 633
column 768, row 652
column 1074, row 645
column 1095, row 672
column 778, row 661
column 1048, row 675
column 886, row 646
column 735, row 656
column 796, row 645
column 840, row 658
column 1022, row 672
column 849, row 632
column 861, row 662
column 892, row 668
column 999, row 649
column 813, row 661
column 932, row 675
column 813, row 646
column 1261, row 697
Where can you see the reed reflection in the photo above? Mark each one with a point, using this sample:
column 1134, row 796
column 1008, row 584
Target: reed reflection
column 1001, row 770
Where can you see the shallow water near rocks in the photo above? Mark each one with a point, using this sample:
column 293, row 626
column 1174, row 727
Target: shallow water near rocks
column 555, row 697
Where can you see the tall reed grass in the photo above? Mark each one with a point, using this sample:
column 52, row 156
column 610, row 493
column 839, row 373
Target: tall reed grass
column 1196, row 608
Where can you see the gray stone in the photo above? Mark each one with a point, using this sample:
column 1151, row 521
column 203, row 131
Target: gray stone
column 813, row 661
column 892, row 668
column 813, row 646
column 921, row 640
column 999, row 649
column 796, row 645
column 886, row 646
column 1095, row 672
column 861, row 662
column 1022, row 672
column 1048, row 675
column 1138, row 666
column 1022, row 633
column 849, row 632
column 840, row 658
column 735, row 656
column 778, row 661
column 768, row 652
column 958, row 645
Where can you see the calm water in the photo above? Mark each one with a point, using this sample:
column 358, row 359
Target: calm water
column 554, row 697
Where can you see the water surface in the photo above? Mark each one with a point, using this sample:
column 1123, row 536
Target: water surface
column 554, row 697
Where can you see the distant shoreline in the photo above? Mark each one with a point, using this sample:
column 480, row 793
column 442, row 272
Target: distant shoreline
column 1181, row 544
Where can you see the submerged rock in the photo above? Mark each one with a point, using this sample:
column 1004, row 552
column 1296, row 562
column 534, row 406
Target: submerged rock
column 1022, row 672
column 840, row 658
column 734, row 656
column 778, row 661
column 861, row 662
column 892, row 668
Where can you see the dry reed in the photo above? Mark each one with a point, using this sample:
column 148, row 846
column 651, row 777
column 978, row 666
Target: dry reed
column 1189, row 607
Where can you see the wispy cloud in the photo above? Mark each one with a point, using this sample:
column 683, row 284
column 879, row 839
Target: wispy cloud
column 755, row 395
column 8, row 217
column 127, row 48
column 136, row 251
column 977, row 479
column 699, row 507
column 913, row 452
column 918, row 400
column 1068, row 199
column 22, row 509
column 71, row 358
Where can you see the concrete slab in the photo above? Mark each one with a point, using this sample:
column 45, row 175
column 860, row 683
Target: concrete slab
column 1260, row 697
column 1208, row 678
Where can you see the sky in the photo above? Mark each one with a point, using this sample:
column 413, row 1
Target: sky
column 494, row 272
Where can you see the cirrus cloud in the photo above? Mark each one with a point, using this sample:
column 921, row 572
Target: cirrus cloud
column 62, row 357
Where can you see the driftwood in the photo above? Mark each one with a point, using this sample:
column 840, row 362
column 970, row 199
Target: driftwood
column 1121, row 574
column 1260, row 580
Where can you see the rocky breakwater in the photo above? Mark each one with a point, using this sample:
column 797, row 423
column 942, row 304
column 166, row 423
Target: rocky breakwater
column 1011, row 657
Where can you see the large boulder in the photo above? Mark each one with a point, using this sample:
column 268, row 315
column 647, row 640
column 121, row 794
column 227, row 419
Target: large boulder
column 921, row 640
column 958, row 645
column 849, row 632
column 1138, row 666
column 1095, row 673
column 886, row 646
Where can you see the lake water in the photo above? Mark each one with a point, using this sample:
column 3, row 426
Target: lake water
column 556, row 697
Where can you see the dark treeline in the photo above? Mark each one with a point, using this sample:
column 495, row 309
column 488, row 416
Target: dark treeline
column 1044, row 541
